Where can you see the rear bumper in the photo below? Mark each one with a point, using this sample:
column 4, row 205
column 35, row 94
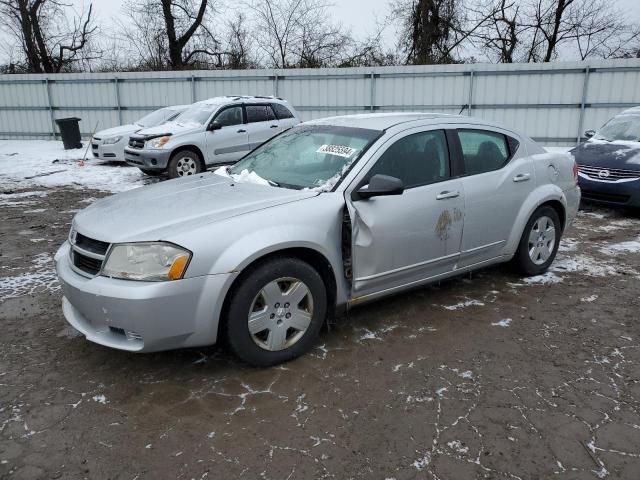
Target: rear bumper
column 610, row 193
column 142, row 316
column 147, row 159
column 572, row 197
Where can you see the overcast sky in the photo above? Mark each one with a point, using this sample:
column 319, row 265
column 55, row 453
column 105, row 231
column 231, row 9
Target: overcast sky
column 360, row 16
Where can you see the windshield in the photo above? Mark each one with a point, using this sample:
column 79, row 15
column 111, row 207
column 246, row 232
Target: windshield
column 310, row 156
column 626, row 127
column 154, row 118
column 197, row 113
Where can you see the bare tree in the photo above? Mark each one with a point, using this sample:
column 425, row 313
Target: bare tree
column 50, row 35
column 171, row 34
column 434, row 31
column 297, row 33
column 239, row 43
column 537, row 31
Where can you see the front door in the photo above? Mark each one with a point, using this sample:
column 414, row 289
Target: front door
column 403, row 240
column 231, row 142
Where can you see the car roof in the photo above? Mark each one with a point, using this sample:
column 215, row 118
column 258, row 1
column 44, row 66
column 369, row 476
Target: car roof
column 177, row 107
column 631, row 111
column 383, row 121
column 224, row 100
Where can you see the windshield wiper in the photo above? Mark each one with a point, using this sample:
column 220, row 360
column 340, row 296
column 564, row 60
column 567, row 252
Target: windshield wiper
column 272, row 183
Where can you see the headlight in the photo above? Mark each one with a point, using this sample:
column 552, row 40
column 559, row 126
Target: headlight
column 151, row 262
column 157, row 142
column 111, row 140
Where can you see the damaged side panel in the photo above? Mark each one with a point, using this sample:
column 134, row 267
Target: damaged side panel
column 404, row 239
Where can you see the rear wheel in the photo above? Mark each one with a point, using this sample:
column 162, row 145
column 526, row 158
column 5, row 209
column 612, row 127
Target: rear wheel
column 184, row 163
column 276, row 313
column 540, row 241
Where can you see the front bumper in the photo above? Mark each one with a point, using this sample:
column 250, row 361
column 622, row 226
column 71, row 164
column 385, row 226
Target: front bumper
column 147, row 159
column 113, row 152
column 142, row 316
column 625, row 193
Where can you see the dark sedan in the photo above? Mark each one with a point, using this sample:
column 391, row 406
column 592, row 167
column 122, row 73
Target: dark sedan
column 609, row 161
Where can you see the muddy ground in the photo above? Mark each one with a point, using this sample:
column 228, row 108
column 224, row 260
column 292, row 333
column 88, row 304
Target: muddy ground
column 484, row 376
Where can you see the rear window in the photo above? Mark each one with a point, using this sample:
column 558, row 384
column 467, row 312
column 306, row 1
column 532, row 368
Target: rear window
column 259, row 113
column 282, row 111
column 483, row 151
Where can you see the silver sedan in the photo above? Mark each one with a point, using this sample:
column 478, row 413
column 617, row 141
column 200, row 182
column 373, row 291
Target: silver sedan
column 327, row 215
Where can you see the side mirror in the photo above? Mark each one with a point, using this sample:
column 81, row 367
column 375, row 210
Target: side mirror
column 381, row 185
column 589, row 133
column 213, row 126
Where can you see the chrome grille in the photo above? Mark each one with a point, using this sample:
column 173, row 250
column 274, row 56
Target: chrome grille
column 87, row 254
column 608, row 174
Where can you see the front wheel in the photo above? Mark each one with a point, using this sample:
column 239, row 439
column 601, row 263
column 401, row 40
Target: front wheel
column 276, row 313
column 540, row 241
column 183, row 164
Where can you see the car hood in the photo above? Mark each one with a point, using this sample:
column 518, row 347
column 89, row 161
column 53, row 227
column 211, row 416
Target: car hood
column 600, row 153
column 121, row 130
column 173, row 128
column 156, row 212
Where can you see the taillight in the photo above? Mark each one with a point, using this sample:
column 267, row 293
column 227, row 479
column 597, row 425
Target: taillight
column 575, row 171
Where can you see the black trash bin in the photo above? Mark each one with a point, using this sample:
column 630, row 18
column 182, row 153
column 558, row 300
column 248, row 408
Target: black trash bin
column 70, row 132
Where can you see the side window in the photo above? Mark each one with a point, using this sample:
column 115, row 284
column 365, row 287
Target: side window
column 483, row 151
column 229, row 116
column 417, row 159
column 281, row 111
column 259, row 113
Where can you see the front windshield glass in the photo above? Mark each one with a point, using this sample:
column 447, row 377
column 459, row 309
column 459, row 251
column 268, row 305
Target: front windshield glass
column 153, row 119
column 626, row 127
column 310, row 156
column 196, row 113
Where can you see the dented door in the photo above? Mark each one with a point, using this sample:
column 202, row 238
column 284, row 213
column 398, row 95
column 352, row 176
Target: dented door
column 405, row 239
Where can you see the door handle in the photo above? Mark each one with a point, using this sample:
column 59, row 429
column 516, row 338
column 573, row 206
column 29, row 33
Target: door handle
column 242, row 130
column 447, row 194
column 274, row 126
column 522, row 177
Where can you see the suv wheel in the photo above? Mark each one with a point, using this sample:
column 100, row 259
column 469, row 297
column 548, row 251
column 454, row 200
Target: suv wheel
column 184, row 163
column 540, row 241
column 276, row 313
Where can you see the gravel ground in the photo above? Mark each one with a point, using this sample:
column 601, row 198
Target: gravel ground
column 489, row 376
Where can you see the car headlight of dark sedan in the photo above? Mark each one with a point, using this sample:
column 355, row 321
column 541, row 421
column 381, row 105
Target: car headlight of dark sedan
column 146, row 261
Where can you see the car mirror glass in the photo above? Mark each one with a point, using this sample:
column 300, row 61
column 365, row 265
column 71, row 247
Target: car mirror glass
column 589, row 133
column 214, row 126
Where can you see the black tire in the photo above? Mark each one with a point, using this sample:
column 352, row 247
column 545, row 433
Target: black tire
column 153, row 173
column 238, row 336
column 175, row 170
column 522, row 258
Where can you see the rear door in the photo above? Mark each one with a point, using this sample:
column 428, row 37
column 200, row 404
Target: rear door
column 497, row 179
column 262, row 123
column 286, row 118
column 403, row 240
column 231, row 142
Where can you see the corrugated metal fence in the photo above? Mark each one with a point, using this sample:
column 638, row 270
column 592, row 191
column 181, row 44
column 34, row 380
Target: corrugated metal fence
column 551, row 102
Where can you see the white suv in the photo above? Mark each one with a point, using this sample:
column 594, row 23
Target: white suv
column 217, row 131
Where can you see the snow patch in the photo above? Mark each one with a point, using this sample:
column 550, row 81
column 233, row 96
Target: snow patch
column 589, row 299
column 422, row 463
column 503, row 323
column 45, row 163
column 466, row 303
column 457, row 446
column 100, row 399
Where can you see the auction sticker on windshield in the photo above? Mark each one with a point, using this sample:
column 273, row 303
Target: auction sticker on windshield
column 337, row 150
